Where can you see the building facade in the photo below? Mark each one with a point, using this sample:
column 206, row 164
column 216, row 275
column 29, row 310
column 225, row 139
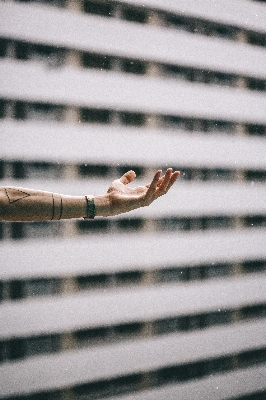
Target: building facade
column 166, row 302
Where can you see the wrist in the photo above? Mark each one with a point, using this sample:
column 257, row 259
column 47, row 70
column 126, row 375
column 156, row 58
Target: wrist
column 73, row 207
column 102, row 206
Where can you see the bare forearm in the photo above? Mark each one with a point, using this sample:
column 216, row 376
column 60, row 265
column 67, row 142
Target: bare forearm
column 20, row 204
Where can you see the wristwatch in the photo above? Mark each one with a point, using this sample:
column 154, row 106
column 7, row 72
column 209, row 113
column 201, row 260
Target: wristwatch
column 91, row 210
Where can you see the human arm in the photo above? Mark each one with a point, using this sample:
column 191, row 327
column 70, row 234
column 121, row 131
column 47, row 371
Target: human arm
column 20, row 204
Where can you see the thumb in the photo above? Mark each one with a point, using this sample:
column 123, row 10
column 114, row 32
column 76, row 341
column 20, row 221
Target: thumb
column 128, row 177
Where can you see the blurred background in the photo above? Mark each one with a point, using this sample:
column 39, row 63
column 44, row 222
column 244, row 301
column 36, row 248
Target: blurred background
column 169, row 301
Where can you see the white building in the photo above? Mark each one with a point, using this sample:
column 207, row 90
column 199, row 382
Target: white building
column 167, row 302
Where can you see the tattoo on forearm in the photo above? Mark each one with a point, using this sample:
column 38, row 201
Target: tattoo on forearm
column 52, row 207
column 61, row 208
column 14, row 195
column 57, row 207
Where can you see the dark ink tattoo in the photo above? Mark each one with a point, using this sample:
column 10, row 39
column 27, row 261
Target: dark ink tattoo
column 61, row 208
column 52, row 207
column 14, row 195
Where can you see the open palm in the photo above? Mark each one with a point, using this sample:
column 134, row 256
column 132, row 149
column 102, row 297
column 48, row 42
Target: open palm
column 123, row 198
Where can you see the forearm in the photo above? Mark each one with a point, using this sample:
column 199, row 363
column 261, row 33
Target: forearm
column 20, row 204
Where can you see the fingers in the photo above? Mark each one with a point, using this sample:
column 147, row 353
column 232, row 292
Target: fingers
column 174, row 177
column 128, row 177
column 160, row 185
column 168, row 181
column 162, row 189
column 149, row 197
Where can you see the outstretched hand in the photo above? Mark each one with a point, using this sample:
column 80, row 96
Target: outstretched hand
column 121, row 198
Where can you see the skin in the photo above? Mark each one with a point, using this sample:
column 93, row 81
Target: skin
column 21, row 204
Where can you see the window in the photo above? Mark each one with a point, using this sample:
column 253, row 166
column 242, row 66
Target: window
column 97, row 61
column 90, row 281
column 99, row 116
column 20, row 110
column 254, row 266
column 42, row 229
column 222, row 31
column 39, row 396
column 16, row 349
column 168, row 325
column 186, row 174
column 18, row 170
column 255, row 221
column 2, row 230
column 16, row 290
column 59, row 3
column 257, row 39
column 53, row 56
column 174, row 223
column 134, row 15
column 258, row 130
column 17, row 230
column 216, row 318
column 176, row 122
column 43, row 170
column 93, row 225
column 219, row 78
column 86, row 336
column 3, row 105
column 185, row 224
column 256, row 84
column 177, row 72
column 195, row 273
column 179, row 22
column 252, row 357
column 220, row 174
column 217, row 126
column 130, row 223
column 172, row 274
column 100, row 7
column 22, row 50
column 48, row 54
column 41, row 345
column 91, row 170
column 219, row 222
column 130, row 329
column 1, row 288
column 3, row 47
column 171, row 374
column 129, row 118
column 254, row 311
column 257, row 176
column 128, row 278
column 217, row 270
column 41, row 287
column 2, row 351
column 44, row 112
column 133, row 66
column 220, row 365
column 112, row 387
